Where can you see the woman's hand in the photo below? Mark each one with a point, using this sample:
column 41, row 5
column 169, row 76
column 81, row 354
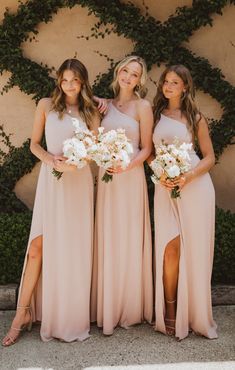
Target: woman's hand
column 116, row 170
column 102, row 104
column 61, row 165
column 179, row 181
column 169, row 184
column 50, row 159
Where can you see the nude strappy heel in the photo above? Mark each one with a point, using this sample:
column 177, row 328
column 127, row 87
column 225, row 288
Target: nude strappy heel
column 170, row 329
column 25, row 326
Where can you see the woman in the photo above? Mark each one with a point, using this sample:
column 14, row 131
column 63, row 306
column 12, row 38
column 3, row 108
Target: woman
column 122, row 278
column 184, row 227
column 57, row 292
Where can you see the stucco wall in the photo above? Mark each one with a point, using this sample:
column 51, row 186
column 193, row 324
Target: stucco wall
column 59, row 40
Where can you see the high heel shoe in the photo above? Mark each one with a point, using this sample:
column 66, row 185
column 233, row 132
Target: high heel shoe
column 170, row 323
column 9, row 340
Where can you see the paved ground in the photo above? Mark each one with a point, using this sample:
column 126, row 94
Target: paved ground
column 139, row 348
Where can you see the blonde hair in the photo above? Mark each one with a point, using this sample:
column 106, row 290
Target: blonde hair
column 188, row 105
column 139, row 90
column 85, row 103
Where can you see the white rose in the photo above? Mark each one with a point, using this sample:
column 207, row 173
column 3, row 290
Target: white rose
column 124, row 158
column 173, row 171
column 110, row 137
column 186, row 146
column 158, row 171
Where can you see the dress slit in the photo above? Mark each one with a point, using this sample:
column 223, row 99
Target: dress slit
column 173, row 231
column 36, row 299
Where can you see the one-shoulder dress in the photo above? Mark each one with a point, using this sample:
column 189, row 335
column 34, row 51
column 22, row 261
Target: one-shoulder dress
column 192, row 217
column 122, row 281
column 63, row 215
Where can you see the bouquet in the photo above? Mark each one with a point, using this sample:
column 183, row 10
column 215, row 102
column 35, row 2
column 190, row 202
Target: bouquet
column 171, row 161
column 113, row 150
column 78, row 149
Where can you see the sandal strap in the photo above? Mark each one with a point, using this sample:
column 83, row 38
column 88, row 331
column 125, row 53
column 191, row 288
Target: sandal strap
column 17, row 329
column 25, row 307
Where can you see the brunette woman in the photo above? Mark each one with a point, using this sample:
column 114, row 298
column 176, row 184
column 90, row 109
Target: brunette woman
column 57, row 291
column 184, row 227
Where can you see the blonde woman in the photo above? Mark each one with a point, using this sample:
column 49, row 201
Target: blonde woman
column 184, row 227
column 57, row 291
column 122, row 278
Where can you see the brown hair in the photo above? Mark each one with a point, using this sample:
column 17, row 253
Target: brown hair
column 188, row 105
column 139, row 90
column 86, row 105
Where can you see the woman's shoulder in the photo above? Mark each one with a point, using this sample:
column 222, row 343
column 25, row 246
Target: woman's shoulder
column 143, row 107
column 143, row 103
column 201, row 120
column 45, row 103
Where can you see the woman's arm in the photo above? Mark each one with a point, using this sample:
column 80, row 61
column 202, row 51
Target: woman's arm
column 102, row 104
column 42, row 109
column 146, row 130
column 206, row 147
column 208, row 160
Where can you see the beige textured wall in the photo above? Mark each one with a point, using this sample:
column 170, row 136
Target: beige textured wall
column 59, row 40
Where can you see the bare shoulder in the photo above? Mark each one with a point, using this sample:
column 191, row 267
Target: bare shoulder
column 44, row 104
column 143, row 107
column 143, row 104
column 201, row 121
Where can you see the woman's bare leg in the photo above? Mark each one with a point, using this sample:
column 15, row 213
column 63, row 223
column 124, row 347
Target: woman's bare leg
column 31, row 275
column 170, row 281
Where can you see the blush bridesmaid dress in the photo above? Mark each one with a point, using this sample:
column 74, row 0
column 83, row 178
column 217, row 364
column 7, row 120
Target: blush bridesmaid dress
column 122, row 291
column 63, row 215
column 192, row 217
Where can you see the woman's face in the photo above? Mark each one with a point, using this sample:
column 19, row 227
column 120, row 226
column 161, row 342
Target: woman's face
column 70, row 84
column 173, row 86
column 129, row 76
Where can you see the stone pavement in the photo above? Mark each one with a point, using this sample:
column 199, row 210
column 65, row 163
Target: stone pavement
column 138, row 348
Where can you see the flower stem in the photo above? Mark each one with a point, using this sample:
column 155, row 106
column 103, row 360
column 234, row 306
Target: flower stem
column 57, row 174
column 175, row 193
column 107, row 177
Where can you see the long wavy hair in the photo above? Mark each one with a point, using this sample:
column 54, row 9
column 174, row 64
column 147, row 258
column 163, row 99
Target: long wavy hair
column 86, row 106
column 139, row 89
column 188, row 105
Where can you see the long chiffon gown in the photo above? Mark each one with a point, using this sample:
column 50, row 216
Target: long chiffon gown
column 63, row 215
column 122, row 287
column 192, row 218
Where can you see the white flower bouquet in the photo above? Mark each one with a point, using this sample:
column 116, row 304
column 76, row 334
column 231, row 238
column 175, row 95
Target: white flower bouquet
column 113, row 150
column 78, row 149
column 171, row 161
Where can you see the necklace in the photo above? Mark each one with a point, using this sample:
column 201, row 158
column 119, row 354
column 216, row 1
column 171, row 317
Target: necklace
column 121, row 104
column 70, row 108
